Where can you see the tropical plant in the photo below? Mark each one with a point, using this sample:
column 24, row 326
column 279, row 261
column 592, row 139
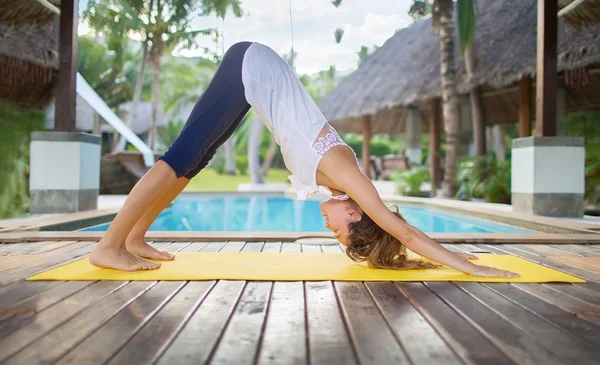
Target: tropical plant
column 164, row 25
column 409, row 182
column 169, row 133
column 485, row 178
column 16, row 124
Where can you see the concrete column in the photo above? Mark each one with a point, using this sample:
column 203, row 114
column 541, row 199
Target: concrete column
column 467, row 145
column 548, row 176
column 499, row 144
column 413, row 135
column 65, row 172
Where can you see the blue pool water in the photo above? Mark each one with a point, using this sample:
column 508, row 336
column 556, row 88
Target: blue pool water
column 267, row 213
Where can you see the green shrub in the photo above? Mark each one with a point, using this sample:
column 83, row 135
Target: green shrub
column 241, row 164
column 485, row 178
column 409, row 182
column 16, row 125
column 379, row 147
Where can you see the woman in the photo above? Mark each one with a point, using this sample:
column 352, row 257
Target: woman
column 253, row 75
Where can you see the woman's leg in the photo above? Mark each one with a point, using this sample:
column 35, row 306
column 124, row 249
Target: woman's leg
column 219, row 107
column 135, row 241
column 110, row 252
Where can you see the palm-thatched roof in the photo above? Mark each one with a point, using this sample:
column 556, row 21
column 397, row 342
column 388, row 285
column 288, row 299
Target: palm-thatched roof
column 406, row 69
column 585, row 14
column 29, row 35
column 20, row 12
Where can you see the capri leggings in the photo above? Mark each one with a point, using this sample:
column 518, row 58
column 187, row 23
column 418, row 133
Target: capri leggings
column 215, row 117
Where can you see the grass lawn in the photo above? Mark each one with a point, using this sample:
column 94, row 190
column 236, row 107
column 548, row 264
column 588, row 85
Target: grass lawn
column 209, row 179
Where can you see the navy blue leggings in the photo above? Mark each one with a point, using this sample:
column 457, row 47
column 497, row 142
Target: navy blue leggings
column 215, row 117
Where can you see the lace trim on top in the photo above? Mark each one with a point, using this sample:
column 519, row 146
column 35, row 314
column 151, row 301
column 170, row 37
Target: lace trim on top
column 326, row 140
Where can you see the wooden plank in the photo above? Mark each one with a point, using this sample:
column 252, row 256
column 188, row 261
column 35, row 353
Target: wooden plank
column 213, row 247
column 506, row 249
column 196, row 340
column 285, row 324
column 579, row 250
column 64, row 115
column 291, row 247
column 571, row 304
column 590, row 263
column 272, row 247
column 574, row 291
column 44, row 262
column 55, row 344
column 521, row 347
column 233, row 246
column 239, row 344
column 546, row 80
column 525, row 107
column 466, row 341
column 17, row 262
column 544, row 250
column 419, row 340
column 435, row 127
column 25, row 311
column 108, row 339
column 560, row 342
column 147, row 343
column 253, row 247
column 32, row 247
column 328, row 339
column 332, row 248
column 55, row 316
column 373, row 338
column 310, row 248
column 193, row 247
column 18, row 292
column 366, row 146
column 578, row 327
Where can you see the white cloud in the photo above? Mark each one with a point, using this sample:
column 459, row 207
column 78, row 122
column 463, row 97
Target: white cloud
column 376, row 29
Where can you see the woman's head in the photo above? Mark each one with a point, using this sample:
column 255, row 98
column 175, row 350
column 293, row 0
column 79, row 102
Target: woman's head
column 366, row 241
column 338, row 215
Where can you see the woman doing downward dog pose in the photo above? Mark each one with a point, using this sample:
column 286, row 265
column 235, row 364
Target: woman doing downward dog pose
column 253, row 75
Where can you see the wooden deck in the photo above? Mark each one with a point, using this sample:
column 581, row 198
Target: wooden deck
column 237, row 322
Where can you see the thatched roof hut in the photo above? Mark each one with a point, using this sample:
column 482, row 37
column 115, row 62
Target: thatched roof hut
column 585, row 14
column 405, row 71
column 28, row 52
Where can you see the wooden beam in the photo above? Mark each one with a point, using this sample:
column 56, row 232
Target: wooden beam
column 366, row 146
column 546, row 80
column 435, row 128
column 525, row 110
column 64, row 116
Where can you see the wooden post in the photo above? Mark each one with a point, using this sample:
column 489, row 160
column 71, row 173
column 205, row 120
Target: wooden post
column 525, row 115
column 435, row 128
column 546, row 80
column 64, row 116
column 366, row 147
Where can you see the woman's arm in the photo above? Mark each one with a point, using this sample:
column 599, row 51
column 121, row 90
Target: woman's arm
column 363, row 192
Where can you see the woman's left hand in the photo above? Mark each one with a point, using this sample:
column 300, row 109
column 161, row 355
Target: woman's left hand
column 466, row 256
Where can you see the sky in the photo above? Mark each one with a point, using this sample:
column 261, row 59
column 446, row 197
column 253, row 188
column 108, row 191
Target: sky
column 365, row 22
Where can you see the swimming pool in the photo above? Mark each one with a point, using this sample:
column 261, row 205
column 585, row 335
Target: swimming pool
column 277, row 213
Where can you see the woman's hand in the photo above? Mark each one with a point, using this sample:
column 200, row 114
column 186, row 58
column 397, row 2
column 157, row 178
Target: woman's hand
column 491, row 272
column 466, row 256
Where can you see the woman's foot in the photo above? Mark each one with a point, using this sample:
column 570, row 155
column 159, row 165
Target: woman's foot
column 138, row 247
column 119, row 259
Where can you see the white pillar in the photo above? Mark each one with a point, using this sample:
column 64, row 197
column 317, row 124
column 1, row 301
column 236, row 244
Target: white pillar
column 467, row 145
column 65, row 172
column 548, row 176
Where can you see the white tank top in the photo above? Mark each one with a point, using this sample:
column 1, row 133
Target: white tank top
column 280, row 100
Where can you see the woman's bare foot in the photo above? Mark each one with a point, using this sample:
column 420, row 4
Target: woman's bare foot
column 119, row 259
column 140, row 248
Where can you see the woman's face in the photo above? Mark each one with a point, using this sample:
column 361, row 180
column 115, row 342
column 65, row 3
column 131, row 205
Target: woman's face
column 338, row 215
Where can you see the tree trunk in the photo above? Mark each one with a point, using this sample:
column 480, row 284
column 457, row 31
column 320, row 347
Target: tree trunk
column 155, row 56
column 254, row 150
column 477, row 107
column 266, row 166
column 229, row 158
column 449, row 101
column 137, row 95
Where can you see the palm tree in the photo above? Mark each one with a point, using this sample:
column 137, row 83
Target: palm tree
column 164, row 24
column 443, row 26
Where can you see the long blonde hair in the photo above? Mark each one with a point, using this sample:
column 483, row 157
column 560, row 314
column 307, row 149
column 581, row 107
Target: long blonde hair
column 369, row 242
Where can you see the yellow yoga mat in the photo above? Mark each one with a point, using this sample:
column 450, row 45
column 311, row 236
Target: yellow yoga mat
column 298, row 267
